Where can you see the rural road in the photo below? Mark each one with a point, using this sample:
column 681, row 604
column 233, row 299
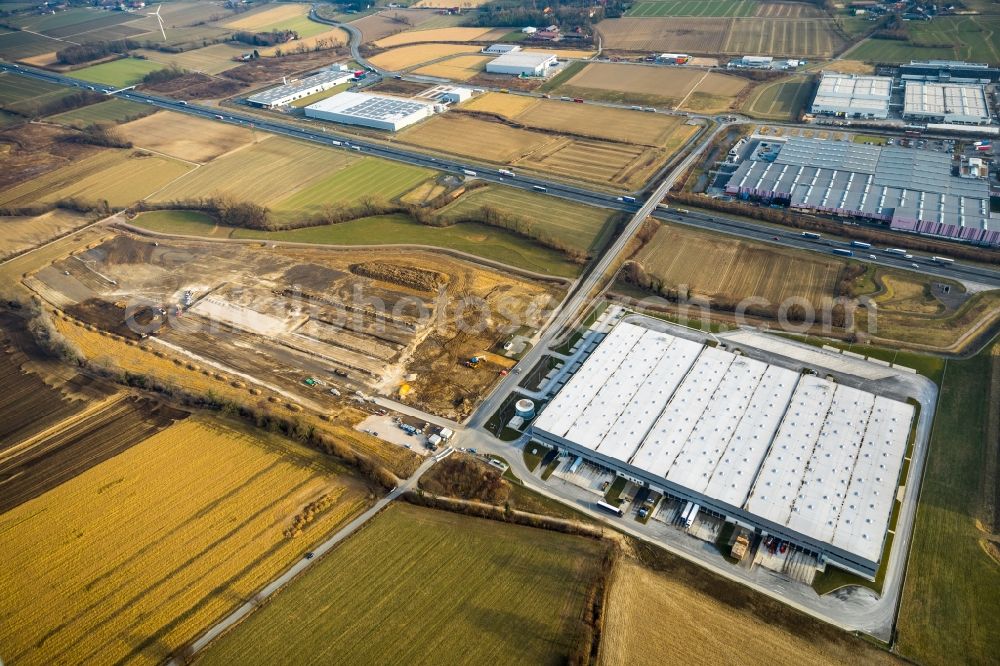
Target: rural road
column 303, row 564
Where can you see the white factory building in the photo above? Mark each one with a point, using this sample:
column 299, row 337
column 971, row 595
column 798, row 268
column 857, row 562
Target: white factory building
column 853, row 96
column 500, row 49
column 958, row 103
column 789, row 454
column 286, row 94
column 521, row 63
column 368, row 110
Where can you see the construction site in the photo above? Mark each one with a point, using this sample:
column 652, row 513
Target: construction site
column 330, row 325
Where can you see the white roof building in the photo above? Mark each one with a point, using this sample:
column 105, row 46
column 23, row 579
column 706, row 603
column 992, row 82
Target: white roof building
column 500, row 49
column 800, row 457
column 368, row 110
column 520, row 63
column 946, row 103
column 290, row 92
column 852, row 95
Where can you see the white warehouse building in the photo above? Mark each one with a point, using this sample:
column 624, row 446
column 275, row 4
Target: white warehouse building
column 289, row 92
column 520, row 63
column 368, row 110
column 792, row 455
column 853, row 96
column 958, row 103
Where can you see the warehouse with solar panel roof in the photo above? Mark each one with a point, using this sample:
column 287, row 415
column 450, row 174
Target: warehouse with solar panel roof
column 780, row 452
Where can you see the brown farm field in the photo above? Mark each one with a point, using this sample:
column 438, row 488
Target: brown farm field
column 212, row 60
column 457, row 68
column 619, row 164
column 676, row 87
column 184, row 136
column 224, row 499
column 442, row 35
column 508, row 106
column 808, row 37
column 676, row 256
column 21, row 233
column 464, row 135
column 405, row 57
column 699, row 629
column 120, row 176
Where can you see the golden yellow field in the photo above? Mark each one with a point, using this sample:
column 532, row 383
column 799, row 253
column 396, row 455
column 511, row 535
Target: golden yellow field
column 675, row 255
column 459, row 68
column 274, row 14
column 21, row 233
column 656, row 618
column 122, row 177
column 405, row 57
column 442, row 35
column 508, row 106
column 575, row 54
column 184, row 136
column 136, row 556
column 626, row 125
column 616, row 164
column 464, row 135
column 265, row 172
column 423, row 193
column 447, row 4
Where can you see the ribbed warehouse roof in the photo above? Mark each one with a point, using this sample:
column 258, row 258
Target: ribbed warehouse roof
column 887, row 183
column 951, row 101
column 819, row 458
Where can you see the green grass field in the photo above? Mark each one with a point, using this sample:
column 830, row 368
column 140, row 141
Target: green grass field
column 16, row 45
column 646, row 8
column 475, row 239
column 580, row 227
column 971, row 38
column 781, row 100
column 300, row 24
column 419, row 586
column 950, row 608
column 111, row 112
column 368, row 176
column 321, row 95
column 124, row 72
column 22, row 95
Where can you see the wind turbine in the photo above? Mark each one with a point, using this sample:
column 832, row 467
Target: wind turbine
column 159, row 20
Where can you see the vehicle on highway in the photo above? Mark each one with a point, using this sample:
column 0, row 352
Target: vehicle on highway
column 843, row 252
column 469, row 172
column 628, row 199
column 811, row 235
column 539, row 188
column 872, row 256
column 310, row 555
column 915, row 265
column 942, row 260
column 182, row 103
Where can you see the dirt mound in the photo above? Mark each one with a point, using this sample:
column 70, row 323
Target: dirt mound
column 125, row 250
column 128, row 322
column 310, row 277
column 405, row 276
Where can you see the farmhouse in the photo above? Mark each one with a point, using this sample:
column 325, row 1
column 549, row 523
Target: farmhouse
column 522, row 64
column 793, row 455
column 958, row 103
column 912, row 190
column 853, row 96
column 368, row 110
column 288, row 93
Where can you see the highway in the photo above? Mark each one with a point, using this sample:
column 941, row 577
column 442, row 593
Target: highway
column 326, row 134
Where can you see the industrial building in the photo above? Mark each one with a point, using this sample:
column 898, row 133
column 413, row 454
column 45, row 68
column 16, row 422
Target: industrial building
column 286, row 94
column 368, row 110
column 952, row 103
column 949, row 70
column 500, row 49
column 788, row 454
column 520, row 63
column 912, row 190
column 853, row 96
